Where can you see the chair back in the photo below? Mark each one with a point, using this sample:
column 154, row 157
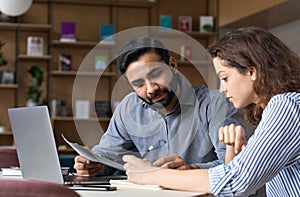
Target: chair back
column 31, row 188
column 8, row 157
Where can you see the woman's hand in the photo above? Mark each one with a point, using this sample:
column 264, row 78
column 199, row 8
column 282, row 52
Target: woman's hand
column 234, row 136
column 138, row 170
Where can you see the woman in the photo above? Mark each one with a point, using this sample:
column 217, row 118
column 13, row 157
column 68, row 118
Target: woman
column 261, row 75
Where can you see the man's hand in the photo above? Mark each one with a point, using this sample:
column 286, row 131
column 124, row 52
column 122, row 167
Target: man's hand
column 174, row 162
column 85, row 167
column 233, row 136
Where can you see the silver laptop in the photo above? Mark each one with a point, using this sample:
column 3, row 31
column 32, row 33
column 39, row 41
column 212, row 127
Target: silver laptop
column 36, row 148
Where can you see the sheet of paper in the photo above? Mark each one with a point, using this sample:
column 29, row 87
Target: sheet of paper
column 127, row 184
column 92, row 156
column 11, row 171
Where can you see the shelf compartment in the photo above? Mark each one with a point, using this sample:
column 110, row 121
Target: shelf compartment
column 69, row 118
column 27, row 57
column 175, row 34
column 6, row 133
column 194, row 63
column 34, row 27
column 9, row 86
column 135, row 4
column 82, row 73
column 88, row 44
column 25, row 26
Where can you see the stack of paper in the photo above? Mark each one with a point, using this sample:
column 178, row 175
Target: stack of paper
column 127, row 184
column 13, row 171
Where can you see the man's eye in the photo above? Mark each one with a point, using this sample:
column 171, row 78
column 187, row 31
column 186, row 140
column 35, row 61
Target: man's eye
column 155, row 74
column 137, row 84
column 224, row 79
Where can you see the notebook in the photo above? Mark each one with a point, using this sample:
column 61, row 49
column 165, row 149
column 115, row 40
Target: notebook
column 36, row 148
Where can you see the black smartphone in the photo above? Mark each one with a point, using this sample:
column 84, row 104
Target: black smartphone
column 94, row 187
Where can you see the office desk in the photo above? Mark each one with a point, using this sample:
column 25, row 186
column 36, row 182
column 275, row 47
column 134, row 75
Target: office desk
column 128, row 192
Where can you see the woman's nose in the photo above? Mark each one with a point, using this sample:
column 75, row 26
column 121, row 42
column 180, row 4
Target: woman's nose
column 222, row 87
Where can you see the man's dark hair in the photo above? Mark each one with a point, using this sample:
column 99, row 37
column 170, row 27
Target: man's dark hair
column 135, row 48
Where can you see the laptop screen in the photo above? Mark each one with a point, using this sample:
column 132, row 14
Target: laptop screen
column 35, row 143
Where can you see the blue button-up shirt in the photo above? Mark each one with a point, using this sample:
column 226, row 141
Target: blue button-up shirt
column 190, row 130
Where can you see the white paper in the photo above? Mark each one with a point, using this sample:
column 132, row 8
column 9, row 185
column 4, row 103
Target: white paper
column 127, row 184
column 11, row 171
column 82, row 109
column 92, row 156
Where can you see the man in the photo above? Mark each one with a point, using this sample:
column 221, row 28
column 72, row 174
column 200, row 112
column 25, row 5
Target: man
column 179, row 121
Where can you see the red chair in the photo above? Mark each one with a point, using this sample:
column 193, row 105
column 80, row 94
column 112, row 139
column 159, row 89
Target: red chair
column 31, row 188
column 8, row 157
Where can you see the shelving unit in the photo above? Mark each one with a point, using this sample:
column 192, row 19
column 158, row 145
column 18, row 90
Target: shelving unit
column 44, row 19
column 15, row 37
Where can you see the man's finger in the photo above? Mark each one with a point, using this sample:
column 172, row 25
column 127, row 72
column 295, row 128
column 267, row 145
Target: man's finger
column 166, row 159
column 81, row 159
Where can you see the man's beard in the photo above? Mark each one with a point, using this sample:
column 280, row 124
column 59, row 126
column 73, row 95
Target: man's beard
column 168, row 99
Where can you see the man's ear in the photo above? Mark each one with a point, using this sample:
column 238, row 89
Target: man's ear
column 173, row 63
column 252, row 71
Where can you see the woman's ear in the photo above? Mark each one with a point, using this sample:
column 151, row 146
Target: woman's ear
column 252, row 71
column 173, row 63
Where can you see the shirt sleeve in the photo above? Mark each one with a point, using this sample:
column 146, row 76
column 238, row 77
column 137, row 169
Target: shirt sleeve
column 275, row 139
column 115, row 143
column 220, row 113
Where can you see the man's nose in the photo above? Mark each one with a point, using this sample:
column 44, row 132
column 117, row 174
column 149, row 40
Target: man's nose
column 151, row 87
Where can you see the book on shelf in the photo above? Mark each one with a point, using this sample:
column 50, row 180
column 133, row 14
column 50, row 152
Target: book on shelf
column 185, row 23
column 58, row 108
column 166, row 21
column 102, row 109
column 82, row 109
column 65, row 62
column 35, row 46
column 100, row 62
column 68, row 32
column 107, row 33
column 7, row 77
column 206, row 24
column 186, row 53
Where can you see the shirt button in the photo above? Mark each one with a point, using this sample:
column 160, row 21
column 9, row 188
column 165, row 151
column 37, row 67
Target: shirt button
column 162, row 142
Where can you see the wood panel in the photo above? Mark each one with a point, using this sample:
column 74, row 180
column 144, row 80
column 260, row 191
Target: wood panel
column 37, row 13
column 7, row 100
column 24, row 80
column 126, row 18
column 194, row 8
column 234, row 10
column 88, row 19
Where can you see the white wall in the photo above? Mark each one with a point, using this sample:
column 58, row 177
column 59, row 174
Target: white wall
column 289, row 33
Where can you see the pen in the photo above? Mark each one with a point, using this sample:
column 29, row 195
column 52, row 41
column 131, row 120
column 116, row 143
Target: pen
column 146, row 153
